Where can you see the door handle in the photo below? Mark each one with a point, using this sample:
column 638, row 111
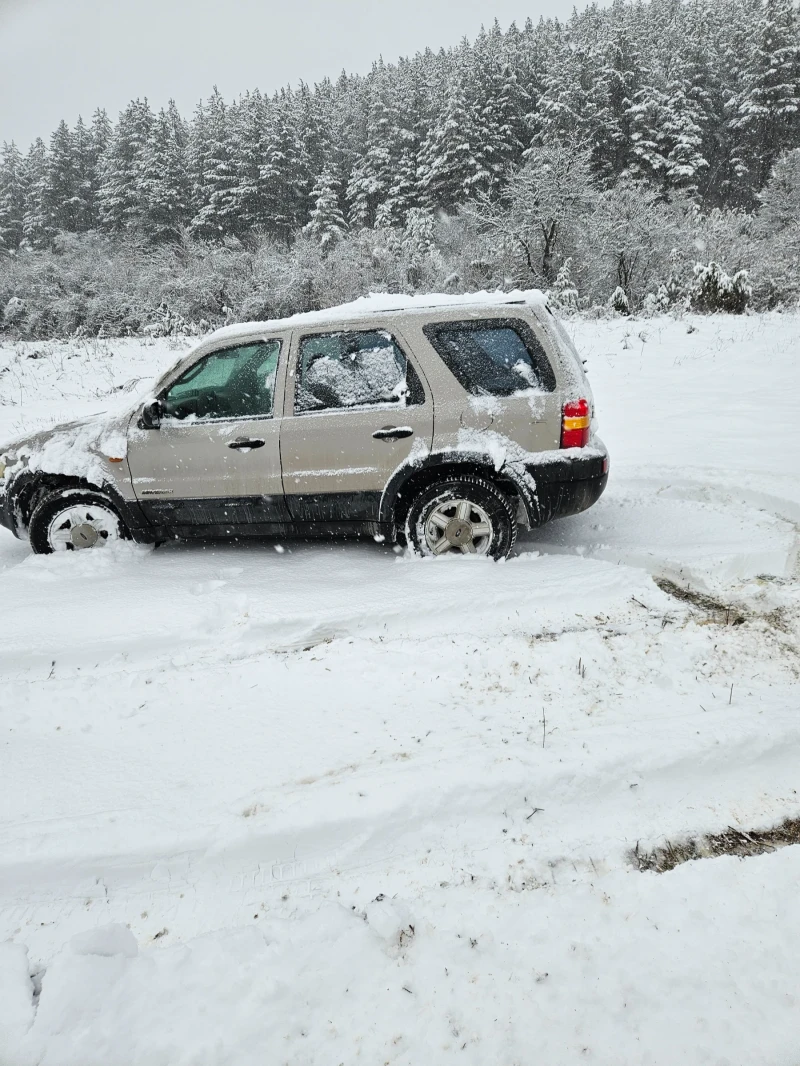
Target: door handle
column 246, row 443
column 393, row 433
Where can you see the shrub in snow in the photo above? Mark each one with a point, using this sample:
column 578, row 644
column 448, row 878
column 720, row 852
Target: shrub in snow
column 668, row 297
column 418, row 235
column 14, row 312
column 673, row 293
column 619, row 301
column 169, row 323
column 653, row 303
column 779, row 200
column 713, row 290
column 563, row 295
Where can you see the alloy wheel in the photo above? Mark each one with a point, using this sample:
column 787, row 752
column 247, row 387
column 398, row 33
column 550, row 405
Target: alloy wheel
column 458, row 526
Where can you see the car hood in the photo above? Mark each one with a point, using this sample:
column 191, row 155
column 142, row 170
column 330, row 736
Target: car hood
column 81, row 448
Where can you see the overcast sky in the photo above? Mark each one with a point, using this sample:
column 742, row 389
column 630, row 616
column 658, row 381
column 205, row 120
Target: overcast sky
column 62, row 58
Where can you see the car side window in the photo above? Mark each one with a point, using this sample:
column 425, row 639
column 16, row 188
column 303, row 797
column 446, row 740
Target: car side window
column 237, row 382
column 493, row 357
column 339, row 371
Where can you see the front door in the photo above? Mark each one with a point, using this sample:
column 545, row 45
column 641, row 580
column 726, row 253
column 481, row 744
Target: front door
column 356, row 407
column 213, row 465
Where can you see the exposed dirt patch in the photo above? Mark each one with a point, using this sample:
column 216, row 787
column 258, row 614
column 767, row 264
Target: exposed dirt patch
column 731, row 842
column 717, row 611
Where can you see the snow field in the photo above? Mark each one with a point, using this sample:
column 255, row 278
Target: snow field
column 335, row 805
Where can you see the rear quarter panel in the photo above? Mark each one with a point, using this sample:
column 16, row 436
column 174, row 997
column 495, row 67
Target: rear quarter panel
column 527, row 423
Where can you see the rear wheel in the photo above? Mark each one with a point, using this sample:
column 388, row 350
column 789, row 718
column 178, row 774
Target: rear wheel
column 462, row 516
column 74, row 520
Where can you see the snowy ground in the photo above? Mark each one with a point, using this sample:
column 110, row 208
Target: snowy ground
column 333, row 805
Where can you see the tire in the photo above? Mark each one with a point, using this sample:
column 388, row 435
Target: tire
column 90, row 521
column 462, row 515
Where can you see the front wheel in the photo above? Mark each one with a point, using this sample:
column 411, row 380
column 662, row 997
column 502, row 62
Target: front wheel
column 463, row 516
column 74, row 520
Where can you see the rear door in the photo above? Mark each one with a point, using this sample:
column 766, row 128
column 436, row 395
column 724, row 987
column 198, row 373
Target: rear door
column 214, row 463
column 356, row 406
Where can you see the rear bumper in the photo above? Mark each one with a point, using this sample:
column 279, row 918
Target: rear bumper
column 566, row 486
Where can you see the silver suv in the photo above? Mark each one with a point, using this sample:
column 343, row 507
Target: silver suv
column 443, row 423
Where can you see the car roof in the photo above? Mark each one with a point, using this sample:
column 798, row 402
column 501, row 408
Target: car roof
column 378, row 304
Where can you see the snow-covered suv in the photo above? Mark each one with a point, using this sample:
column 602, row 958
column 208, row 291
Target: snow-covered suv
column 444, row 422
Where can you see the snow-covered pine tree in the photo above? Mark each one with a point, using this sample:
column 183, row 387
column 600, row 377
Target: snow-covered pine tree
column 196, row 150
column 779, row 200
column 12, row 197
column 501, row 108
column 327, row 224
column 402, row 195
column 100, row 133
column 373, row 174
column 314, row 152
column 777, row 229
column 564, row 295
column 768, row 108
column 164, row 181
column 451, row 168
column 62, row 181
column 37, row 227
column 120, row 196
column 733, row 44
column 698, row 55
column 683, row 135
column 217, row 215
column 282, row 195
column 412, row 113
column 615, row 75
column 84, row 169
column 713, row 290
column 556, row 83
column 648, row 161
column 250, row 147
column 619, row 302
column 418, row 240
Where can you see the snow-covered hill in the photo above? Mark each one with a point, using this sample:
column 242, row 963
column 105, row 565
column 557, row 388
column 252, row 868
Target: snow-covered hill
column 329, row 804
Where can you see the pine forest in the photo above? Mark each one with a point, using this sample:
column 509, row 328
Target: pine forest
column 639, row 158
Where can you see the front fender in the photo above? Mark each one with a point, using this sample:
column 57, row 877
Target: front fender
column 19, row 495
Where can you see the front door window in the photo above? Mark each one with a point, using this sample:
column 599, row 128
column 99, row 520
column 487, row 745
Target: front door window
column 233, row 383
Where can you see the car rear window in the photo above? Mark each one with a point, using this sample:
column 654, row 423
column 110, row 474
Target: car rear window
column 493, row 357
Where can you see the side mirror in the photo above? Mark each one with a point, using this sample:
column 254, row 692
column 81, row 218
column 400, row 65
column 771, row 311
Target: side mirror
column 150, row 417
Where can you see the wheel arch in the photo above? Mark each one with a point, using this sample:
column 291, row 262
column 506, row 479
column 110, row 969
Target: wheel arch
column 31, row 487
column 412, row 477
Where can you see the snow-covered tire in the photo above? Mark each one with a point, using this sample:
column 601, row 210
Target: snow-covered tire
column 464, row 515
column 74, row 519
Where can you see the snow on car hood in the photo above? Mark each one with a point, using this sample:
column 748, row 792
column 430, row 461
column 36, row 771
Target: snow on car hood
column 79, row 449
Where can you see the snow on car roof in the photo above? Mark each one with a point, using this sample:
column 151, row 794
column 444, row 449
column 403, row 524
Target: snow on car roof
column 378, row 303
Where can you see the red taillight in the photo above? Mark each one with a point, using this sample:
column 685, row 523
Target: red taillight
column 575, row 424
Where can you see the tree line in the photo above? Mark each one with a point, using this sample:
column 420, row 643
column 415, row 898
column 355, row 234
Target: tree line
column 665, row 113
